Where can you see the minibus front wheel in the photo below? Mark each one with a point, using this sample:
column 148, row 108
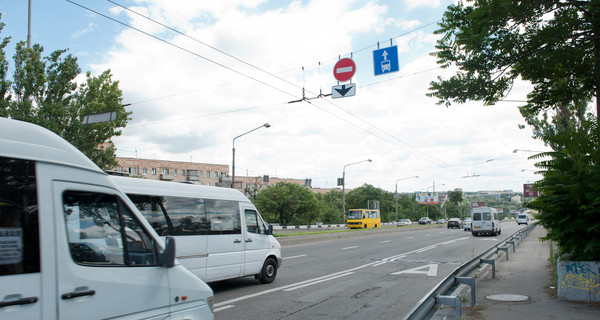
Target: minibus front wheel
column 268, row 271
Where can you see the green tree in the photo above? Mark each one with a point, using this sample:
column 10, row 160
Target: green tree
column 331, row 206
column 44, row 91
column 359, row 198
column 288, row 203
column 554, row 45
column 569, row 203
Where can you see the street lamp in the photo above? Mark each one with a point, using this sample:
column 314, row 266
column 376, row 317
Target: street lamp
column 344, row 186
column 396, row 193
column 266, row 125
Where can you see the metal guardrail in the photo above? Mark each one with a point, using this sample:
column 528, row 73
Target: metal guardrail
column 428, row 305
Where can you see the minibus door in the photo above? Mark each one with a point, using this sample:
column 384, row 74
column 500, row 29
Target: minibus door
column 256, row 242
column 103, row 270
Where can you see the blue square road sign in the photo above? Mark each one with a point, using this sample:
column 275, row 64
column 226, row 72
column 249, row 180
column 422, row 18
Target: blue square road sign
column 385, row 60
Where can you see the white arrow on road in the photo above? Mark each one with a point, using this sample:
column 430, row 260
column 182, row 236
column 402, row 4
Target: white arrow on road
column 430, row 272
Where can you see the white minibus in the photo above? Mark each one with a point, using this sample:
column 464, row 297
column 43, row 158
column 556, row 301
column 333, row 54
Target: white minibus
column 484, row 220
column 220, row 234
column 72, row 246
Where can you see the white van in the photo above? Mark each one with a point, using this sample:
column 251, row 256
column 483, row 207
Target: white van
column 220, row 234
column 522, row 219
column 72, row 246
column 484, row 220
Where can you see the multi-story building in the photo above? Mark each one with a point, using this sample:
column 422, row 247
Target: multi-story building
column 207, row 174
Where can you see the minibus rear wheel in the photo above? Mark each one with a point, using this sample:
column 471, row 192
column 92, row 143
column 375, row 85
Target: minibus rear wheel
column 268, row 271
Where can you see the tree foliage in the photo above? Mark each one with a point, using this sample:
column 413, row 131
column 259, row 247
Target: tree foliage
column 44, row 91
column 553, row 44
column 288, row 204
column 569, row 203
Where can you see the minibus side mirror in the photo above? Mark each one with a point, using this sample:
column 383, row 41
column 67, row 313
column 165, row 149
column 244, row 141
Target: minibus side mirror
column 269, row 230
column 167, row 257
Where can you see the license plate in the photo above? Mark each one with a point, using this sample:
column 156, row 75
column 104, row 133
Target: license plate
column 477, row 227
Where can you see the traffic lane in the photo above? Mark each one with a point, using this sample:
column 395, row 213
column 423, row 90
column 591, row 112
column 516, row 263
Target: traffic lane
column 381, row 289
column 305, row 281
column 301, row 262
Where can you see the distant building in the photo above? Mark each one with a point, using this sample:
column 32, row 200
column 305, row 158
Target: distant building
column 207, row 174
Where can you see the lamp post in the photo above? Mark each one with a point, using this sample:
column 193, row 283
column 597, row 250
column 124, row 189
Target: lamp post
column 344, row 186
column 396, row 193
column 266, row 125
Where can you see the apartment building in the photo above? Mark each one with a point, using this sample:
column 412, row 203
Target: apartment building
column 207, row 174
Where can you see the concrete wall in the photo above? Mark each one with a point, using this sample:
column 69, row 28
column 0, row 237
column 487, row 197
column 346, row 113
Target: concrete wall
column 579, row 280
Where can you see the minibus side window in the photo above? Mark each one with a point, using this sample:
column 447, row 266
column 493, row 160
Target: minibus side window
column 177, row 216
column 253, row 223
column 476, row 216
column 223, row 216
column 102, row 231
column 19, row 224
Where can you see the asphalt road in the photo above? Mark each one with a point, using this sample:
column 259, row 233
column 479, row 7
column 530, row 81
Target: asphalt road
column 380, row 275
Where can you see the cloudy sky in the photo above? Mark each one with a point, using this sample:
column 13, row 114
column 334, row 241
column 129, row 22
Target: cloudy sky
column 199, row 73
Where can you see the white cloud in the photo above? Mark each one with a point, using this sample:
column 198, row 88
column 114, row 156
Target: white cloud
column 192, row 107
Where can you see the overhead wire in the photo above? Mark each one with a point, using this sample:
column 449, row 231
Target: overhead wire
column 180, row 48
column 271, row 74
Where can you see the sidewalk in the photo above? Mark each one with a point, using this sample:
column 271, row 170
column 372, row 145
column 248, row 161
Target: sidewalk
column 522, row 288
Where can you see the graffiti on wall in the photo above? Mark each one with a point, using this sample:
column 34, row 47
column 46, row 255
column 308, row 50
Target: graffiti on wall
column 579, row 275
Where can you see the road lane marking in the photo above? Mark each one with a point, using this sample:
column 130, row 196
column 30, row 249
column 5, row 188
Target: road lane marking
column 260, row 293
column 224, row 308
column 386, row 241
column 315, row 282
column 347, row 248
column 430, row 272
column 293, row 257
column 410, row 238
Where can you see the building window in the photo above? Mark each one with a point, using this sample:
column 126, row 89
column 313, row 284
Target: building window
column 174, row 172
column 182, row 172
column 153, row 171
column 145, row 170
column 165, row 171
column 201, row 173
column 216, row 174
column 208, row 174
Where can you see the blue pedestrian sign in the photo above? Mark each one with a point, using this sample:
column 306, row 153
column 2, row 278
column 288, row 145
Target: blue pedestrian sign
column 385, row 60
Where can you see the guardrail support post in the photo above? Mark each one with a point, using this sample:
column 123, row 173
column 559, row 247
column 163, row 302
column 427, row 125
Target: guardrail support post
column 518, row 239
column 493, row 263
column 451, row 301
column 471, row 282
column 513, row 244
column 505, row 249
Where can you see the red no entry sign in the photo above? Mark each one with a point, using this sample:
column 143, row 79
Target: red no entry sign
column 344, row 69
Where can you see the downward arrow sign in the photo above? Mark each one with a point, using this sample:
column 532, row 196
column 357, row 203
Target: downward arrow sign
column 343, row 90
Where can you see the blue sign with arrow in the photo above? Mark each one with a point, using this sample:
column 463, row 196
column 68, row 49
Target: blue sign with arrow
column 385, row 60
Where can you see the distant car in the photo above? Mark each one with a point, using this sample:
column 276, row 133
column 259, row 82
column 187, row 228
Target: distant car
column 441, row 221
column 454, row 223
column 467, row 224
column 522, row 219
column 404, row 222
column 424, row 220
